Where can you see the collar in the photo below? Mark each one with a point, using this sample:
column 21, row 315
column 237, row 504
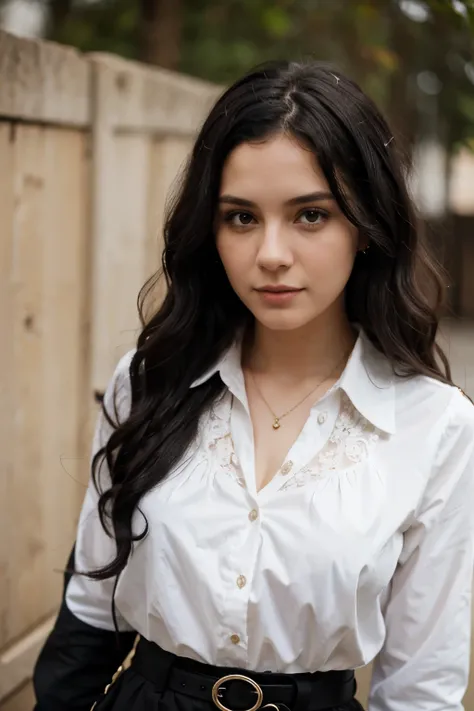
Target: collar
column 367, row 380
column 230, row 369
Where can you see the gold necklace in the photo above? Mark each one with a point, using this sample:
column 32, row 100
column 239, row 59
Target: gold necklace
column 277, row 418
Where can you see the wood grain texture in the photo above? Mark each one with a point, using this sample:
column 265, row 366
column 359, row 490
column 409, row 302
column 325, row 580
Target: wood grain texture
column 43, row 82
column 168, row 157
column 152, row 100
column 17, row 661
column 22, row 700
column 44, row 248
column 119, row 232
column 7, row 453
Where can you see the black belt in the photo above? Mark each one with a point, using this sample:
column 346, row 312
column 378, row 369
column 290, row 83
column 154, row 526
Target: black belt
column 241, row 690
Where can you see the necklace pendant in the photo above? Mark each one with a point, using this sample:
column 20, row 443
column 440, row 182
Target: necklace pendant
column 276, row 424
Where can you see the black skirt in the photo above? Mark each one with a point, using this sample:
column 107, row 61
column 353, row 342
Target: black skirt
column 159, row 681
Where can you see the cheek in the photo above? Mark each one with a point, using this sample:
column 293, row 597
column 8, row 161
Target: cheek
column 330, row 263
column 233, row 257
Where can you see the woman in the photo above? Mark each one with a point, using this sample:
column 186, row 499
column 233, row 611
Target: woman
column 283, row 473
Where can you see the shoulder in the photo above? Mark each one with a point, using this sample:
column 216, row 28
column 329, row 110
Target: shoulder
column 118, row 396
column 122, row 369
column 459, row 419
column 436, row 406
column 448, row 445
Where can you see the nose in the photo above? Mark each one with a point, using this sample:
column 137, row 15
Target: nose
column 275, row 249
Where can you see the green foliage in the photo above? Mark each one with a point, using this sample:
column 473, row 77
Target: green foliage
column 104, row 25
column 383, row 48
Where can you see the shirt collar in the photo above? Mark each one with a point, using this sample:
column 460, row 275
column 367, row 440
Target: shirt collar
column 230, row 369
column 367, row 380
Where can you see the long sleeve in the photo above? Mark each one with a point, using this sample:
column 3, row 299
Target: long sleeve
column 83, row 650
column 424, row 663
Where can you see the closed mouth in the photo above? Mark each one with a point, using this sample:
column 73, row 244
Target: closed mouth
column 278, row 289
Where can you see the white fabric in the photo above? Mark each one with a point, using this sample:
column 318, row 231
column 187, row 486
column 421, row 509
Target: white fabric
column 362, row 543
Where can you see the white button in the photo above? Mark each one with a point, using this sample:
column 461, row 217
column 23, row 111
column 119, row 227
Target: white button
column 235, row 639
column 241, row 581
column 286, row 468
column 253, row 515
column 322, row 417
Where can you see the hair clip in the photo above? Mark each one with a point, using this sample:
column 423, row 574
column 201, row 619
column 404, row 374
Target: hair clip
column 389, row 141
column 336, row 78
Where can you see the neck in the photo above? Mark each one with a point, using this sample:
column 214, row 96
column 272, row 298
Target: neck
column 301, row 353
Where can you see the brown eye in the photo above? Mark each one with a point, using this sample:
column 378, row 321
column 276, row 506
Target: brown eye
column 312, row 217
column 239, row 219
column 245, row 218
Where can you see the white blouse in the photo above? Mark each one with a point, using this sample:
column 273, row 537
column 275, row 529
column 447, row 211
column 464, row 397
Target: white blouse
column 361, row 544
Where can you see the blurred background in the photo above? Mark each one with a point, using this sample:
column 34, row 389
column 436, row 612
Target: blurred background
column 93, row 133
column 414, row 57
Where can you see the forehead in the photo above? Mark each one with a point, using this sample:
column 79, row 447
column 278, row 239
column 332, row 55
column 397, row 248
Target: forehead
column 280, row 166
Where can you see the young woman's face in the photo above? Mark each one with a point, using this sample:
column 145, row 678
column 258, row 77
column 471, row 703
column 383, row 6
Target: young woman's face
column 286, row 247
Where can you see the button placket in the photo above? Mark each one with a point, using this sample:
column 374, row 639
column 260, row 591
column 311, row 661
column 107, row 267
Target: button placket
column 237, row 578
column 309, row 442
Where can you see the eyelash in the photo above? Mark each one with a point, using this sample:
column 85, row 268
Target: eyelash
column 228, row 217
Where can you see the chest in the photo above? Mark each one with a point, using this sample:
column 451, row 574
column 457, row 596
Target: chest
column 272, row 445
column 307, row 523
column 333, row 457
column 341, row 506
column 276, row 435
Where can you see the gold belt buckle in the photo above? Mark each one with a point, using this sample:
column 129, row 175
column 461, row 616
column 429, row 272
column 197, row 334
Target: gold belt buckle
column 218, row 687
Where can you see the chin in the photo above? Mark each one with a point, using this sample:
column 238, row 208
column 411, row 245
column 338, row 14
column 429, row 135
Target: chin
column 282, row 321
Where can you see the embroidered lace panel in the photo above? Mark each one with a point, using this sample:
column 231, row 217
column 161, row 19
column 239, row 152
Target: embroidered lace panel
column 219, row 442
column 347, row 446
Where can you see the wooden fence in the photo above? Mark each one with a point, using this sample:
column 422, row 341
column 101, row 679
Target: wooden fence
column 89, row 146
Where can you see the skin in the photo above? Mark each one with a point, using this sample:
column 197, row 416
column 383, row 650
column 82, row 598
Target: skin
column 267, row 233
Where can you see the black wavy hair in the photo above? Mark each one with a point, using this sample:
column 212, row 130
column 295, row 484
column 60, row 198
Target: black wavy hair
column 395, row 291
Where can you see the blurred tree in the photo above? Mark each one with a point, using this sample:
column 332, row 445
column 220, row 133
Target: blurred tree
column 415, row 57
column 160, row 24
column 59, row 11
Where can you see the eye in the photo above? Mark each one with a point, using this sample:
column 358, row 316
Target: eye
column 239, row 219
column 312, row 217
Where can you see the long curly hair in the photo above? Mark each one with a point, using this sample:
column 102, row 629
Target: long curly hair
column 395, row 291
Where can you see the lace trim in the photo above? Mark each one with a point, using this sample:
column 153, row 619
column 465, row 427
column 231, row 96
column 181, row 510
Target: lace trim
column 347, row 446
column 219, row 442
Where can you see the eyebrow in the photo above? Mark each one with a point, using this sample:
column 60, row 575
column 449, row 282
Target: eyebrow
column 299, row 200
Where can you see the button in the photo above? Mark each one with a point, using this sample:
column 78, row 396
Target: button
column 253, row 515
column 241, row 581
column 322, row 417
column 235, row 639
column 286, row 468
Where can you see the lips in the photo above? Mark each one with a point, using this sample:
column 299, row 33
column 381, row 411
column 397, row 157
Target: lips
column 278, row 296
column 281, row 289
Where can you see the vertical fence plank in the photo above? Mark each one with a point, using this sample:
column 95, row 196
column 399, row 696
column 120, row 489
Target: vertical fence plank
column 7, row 453
column 25, row 486
column 168, row 157
column 46, row 382
column 119, row 228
